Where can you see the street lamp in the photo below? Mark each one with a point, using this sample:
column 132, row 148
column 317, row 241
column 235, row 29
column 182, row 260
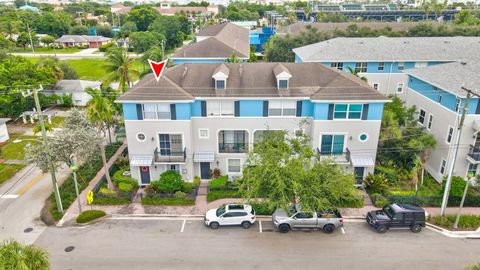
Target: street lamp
column 74, row 168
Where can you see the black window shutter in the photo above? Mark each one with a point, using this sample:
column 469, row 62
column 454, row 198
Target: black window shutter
column 330, row 111
column 139, row 112
column 477, row 111
column 204, row 108
column 265, row 108
column 173, row 112
column 365, row 112
column 237, row 108
column 299, row 108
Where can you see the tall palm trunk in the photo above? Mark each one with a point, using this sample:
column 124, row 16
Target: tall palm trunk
column 104, row 160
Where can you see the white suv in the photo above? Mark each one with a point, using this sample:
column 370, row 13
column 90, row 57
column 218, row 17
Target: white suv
column 230, row 215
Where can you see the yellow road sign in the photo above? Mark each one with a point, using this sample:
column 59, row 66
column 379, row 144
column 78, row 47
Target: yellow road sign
column 90, row 197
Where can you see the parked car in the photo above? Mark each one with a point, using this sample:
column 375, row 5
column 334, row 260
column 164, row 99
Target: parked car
column 230, row 215
column 405, row 216
column 294, row 219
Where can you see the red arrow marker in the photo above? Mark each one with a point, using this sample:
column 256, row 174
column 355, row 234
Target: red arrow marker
column 158, row 67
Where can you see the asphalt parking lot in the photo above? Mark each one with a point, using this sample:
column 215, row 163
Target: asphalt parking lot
column 153, row 243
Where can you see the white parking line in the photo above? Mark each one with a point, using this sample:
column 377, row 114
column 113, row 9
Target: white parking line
column 183, row 225
column 260, row 222
column 343, row 230
column 9, row 196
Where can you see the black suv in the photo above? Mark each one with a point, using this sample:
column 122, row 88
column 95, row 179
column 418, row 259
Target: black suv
column 397, row 216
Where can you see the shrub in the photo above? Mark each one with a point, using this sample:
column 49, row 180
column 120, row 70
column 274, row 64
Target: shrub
column 118, row 179
column 222, row 193
column 107, row 192
column 170, row 182
column 105, row 47
column 111, row 200
column 196, row 181
column 215, row 173
column 219, row 182
column 125, row 187
column 187, row 187
column 168, row 201
column 380, row 202
column 457, row 188
column 376, row 182
column 122, row 162
column 390, row 173
column 442, row 221
column 263, row 208
column 468, row 221
column 89, row 215
column 150, row 189
column 353, row 202
column 179, row 194
column 67, row 100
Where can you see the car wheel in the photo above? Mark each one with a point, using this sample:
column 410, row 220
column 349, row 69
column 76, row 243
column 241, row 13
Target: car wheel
column 329, row 228
column 416, row 228
column 283, row 228
column 214, row 225
column 246, row 224
column 381, row 229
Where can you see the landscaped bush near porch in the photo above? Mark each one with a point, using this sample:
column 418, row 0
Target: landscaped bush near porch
column 220, row 188
column 170, row 189
column 183, row 201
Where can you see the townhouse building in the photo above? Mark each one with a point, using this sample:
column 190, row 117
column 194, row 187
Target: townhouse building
column 384, row 60
column 198, row 117
column 437, row 93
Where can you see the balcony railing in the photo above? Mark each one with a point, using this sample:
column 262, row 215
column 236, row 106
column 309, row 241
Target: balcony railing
column 474, row 152
column 343, row 157
column 233, row 147
column 170, row 156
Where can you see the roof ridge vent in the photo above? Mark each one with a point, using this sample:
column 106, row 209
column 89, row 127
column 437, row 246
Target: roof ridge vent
column 240, row 69
column 185, row 70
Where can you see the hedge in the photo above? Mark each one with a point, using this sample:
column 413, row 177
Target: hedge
column 222, row 193
column 355, row 202
column 262, row 208
column 85, row 174
column 465, row 222
column 110, row 200
column 429, row 201
column 168, row 201
column 219, row 182
column 89, row 215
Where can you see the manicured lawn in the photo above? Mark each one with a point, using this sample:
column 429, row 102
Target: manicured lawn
column 16, row 151
column 93, row 69
column 58, row 121
column 9, row 170
column 46, row 50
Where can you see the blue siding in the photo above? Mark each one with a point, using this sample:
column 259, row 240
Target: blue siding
column 196, row 108
column 307, row 108
column 320, row 111
column 185, row 61
column 375, row 111
column 183, row 111
column 372, row 67
column 251, row 108
column 472, row 105
column 298, row 59
column 129, row 111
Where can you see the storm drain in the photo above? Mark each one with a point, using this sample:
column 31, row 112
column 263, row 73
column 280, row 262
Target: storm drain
column 27, row 230
column 69, row 249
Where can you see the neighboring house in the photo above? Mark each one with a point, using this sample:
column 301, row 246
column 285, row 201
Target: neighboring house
column 82, row 40
column 383, row 60
column 204, row 116
column 76, row 88
column 120, row 9
column 27, row 7
column 299, row 27
column 3, row 130
column 216, row 43
column 437, row 93
column 168, row 9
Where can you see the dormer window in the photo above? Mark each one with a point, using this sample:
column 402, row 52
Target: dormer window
column 219, row 84
column 220, row 75
column 283, row 84
column 283, row 75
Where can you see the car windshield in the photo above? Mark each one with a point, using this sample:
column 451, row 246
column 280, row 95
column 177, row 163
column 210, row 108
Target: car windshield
column 389, row 211
column 292, row 210
column 220, row 211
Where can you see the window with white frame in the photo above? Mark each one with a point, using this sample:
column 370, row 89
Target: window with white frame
column 381, row 66
column 361, row 66
column 156, row 111
column 203, row 133
column 430, row 122
column 400, row 87
column 401, row 66
column 220, row 84
column 449, row 135
column 443, row 166
column 347, row 111
column 282, row 108
column 337, row 65
column 173, row 167
column 457, row 104
column 375, row 86
column 421, row 116
column 234, row 165
column 220, row 107
column 282, row 84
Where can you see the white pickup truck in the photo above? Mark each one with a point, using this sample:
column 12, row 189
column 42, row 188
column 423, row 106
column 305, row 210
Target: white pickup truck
column 295, row 219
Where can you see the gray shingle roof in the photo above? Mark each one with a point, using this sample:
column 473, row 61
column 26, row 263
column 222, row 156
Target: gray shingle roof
column 451, row 76
column 256, row 80
column 76, row 85
column 299, row 27
column 81, row 39
column 392, row 49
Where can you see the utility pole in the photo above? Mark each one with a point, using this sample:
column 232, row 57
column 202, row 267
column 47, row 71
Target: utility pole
column 30, row 36
column 44, row 137
column 454, row 155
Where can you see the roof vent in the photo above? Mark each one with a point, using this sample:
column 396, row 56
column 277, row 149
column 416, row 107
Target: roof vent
column 463, row 63
column 447, row 41
column 185, row 70
column 406, row 42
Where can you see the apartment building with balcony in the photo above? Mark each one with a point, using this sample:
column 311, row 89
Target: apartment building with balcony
column 198, row 117
column 384, row 60
column 437, row 93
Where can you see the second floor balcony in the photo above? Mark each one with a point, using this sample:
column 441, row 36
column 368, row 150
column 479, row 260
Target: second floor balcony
column 474, row 154
column 232, row 147
column 169, row 156
column 337, row 157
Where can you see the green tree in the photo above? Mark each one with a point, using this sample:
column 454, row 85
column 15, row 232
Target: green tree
column 142, row 16
column 127, row 29
column 100, row 112
column 47, row 40
column 466, row 17
column 79, row 30
column 23, row 40
column 14, row 255
column 286, row 170
column 355, row 72
column 104, row 30
column 69, row 73
column 169, row 27
column 119, row 68
column 143, row 41
column 53, row 23
column 331, row 17
column 9, row 27
column 52, row 65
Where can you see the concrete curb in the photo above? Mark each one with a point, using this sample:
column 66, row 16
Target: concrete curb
column 455, row 234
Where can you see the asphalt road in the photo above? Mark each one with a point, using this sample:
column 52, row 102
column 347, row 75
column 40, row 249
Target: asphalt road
column 178, row 244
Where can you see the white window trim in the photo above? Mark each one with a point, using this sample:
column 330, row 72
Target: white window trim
column 430, row 123
column 444, row 167
column 398, row 86
column 401, row 64
column 348, row 111
column 283, row 79
column 177, row 164
column 337, row 65
column 170, row 133
column 282, row 107
column 200, row 133
column 156, row 111
column 334, row 133
column 458, row 103
column 448, row 132
column 233, row 129
column 220, row 108
column 224, row 84
column 364, row 141
column 424, row 117
column 361, row 67
column 228, row 166
column 382, row 66
column 136, row 137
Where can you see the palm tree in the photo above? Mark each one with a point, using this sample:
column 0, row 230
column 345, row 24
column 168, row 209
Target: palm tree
column 14, row 255
column 355, row 73
column 120, row 68
column 473, row 267
column 100, row 112
column 53, row 64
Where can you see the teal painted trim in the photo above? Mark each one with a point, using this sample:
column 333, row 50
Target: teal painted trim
column 129, row 111
column 251, row 108
column 320, row 111
column 183, row 111
column 375, row 111
column 307, row 108
column 196, row 108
